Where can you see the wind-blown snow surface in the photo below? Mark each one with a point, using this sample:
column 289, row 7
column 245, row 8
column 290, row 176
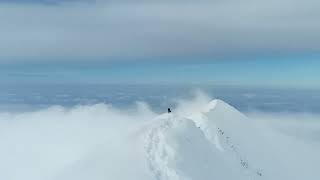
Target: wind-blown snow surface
column 200, row 140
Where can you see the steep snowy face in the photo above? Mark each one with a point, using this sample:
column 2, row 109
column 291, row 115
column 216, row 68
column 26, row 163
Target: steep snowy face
column 235, row 136
column 177, row 149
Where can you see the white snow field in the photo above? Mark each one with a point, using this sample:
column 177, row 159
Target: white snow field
column 200, row 140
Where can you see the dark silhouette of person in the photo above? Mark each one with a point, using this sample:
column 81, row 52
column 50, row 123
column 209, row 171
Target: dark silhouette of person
column 169, row 110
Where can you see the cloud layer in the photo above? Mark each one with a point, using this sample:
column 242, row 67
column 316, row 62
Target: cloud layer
column 130, row 30
column 102, row 142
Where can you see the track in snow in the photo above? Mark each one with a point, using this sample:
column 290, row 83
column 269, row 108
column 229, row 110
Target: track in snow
column 159, row 152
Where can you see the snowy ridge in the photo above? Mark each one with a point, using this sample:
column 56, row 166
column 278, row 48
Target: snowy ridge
column 195, row 147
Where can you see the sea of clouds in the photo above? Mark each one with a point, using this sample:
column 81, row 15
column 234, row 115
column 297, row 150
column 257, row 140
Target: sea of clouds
column 103, row 142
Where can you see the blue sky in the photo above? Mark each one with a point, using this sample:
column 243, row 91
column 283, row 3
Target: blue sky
column 302, row 72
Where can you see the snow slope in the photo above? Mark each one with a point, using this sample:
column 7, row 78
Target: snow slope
column 197, row 148
column 216, row 141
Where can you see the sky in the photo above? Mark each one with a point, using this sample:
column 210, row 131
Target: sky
column 241, row 42
column 254, row 72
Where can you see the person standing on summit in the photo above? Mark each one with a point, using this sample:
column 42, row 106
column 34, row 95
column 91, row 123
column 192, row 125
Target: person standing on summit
column 169, row 110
